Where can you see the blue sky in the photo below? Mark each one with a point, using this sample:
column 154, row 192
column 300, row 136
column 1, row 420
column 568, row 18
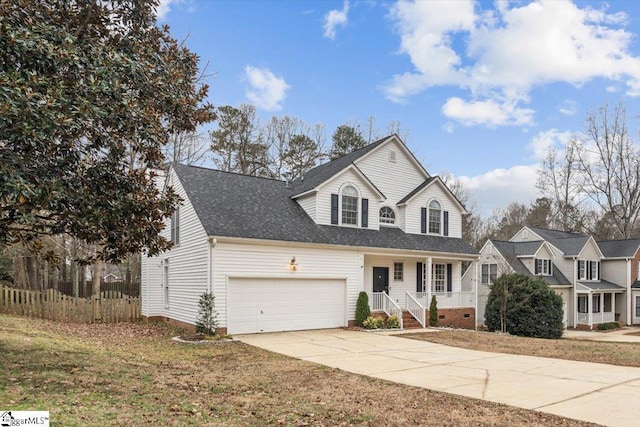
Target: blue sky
column 482, row 88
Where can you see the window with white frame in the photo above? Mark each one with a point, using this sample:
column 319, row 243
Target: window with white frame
column 349, row 205
column 583, row 303
column 398, row 271
column 489, row 273
column 637, row 305
column 543, row 267
column 588, row 270
column 175, row 226
column 595, row 304
column 439, row 277
column 435, row 217
column 387, row 215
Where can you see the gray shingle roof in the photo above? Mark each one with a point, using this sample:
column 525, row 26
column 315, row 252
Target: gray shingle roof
column 510, row 252
column 636, row 284
column 320, row 174
column 416, row 190
column 233, row 205
column 602, row 285
column 569, row 243
column 619, row 248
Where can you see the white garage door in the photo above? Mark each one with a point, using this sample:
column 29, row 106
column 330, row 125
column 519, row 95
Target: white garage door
column 272, row 305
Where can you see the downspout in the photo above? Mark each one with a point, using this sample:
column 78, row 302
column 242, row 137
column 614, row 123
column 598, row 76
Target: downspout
column 629, row 296
column 212, row 243
column 475, row 290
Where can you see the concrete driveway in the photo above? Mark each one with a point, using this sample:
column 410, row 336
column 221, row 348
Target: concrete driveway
column 594, row 392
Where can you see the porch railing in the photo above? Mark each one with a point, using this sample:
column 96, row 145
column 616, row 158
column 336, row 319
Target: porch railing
column 596, row 318
column 447, row 299
column 416, row 309
column 380, row 301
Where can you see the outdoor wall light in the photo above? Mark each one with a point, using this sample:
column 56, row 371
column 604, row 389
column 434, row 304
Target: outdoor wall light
column 294, row 265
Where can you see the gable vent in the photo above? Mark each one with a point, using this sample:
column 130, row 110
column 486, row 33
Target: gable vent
column 392, row 156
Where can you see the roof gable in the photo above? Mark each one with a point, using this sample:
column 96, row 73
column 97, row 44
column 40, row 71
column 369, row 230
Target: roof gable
column 317, row 176
column 570, row 244
column 355, row 169
column 434, row 180
column 510, row 250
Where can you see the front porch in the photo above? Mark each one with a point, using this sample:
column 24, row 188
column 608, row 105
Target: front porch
column 596, row 303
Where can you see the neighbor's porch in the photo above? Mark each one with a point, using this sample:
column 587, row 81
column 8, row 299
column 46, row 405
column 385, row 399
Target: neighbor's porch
column 400, row 284
column 596, row 302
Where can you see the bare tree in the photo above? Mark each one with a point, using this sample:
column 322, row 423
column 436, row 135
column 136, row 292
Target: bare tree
column 558, row 180
column 188, row 148
column 278, row 134
column 608, row 161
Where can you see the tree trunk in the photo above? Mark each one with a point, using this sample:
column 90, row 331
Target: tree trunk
column 97, row 269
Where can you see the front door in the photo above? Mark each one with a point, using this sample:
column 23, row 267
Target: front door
column 381, row 279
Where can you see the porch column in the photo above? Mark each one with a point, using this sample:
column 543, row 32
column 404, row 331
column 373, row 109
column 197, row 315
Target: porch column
column 428, row 281
column 475, row 293
column 590, row 309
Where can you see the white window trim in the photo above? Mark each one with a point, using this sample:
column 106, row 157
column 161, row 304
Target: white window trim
column 388, row 224
column 358, row 205
column 435, row 280
column 546, row 268
column 401, row 263
column 588, row 265
column 429, row 218
column 175, row 227
column 488, row 265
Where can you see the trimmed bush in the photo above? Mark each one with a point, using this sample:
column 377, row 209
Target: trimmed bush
column 609, row 325
column 373, row 323
column 206, row 322
column 433, row 311
column 362, row 308
column 392, row 322
column 524, row 306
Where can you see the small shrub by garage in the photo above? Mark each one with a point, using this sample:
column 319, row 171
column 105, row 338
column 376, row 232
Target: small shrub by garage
column 362, row 308
column 524, row 306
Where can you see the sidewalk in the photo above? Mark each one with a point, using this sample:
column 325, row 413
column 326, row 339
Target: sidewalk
column 617, row 335
column 599, row 393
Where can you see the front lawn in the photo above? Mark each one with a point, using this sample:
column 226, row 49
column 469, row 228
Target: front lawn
column 132, row 374
column 622, row 354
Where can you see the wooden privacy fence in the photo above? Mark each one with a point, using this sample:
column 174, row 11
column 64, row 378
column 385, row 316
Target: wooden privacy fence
column 110, row 307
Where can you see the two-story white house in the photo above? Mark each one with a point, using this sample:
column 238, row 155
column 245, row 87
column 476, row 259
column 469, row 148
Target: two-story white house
column 594, row 278
column 291, row 256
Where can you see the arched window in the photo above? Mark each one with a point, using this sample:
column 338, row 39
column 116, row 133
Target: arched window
column 435, row 217
column 349, row 205
column 387, row 215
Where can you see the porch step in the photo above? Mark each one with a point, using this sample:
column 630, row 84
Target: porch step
column 409, row 322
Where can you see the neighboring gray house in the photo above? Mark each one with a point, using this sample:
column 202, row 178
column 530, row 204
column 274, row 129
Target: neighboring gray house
column 291, row 256
column 595, row 279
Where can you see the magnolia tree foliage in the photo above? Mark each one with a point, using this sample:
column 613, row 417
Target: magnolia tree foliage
column 90, row 91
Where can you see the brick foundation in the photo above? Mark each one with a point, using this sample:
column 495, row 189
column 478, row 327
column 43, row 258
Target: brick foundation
column 461, row 318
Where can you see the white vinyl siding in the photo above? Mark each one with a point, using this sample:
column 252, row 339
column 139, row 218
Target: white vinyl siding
column 413, row 216
column 254, row 261
column 308, row 203
column 394, row 179
column 323, row 213
column 188, row 267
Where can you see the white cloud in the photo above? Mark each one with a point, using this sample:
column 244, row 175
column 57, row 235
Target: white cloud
column 568, row 107
column 499, row 187
column 489, row 113
column 335, row 18
column 266, row 90
column 541, row 143
column 164, row 8
column 501, row 54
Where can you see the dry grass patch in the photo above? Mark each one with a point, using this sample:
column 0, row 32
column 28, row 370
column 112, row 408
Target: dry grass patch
column 622, row 354
column 132, row 374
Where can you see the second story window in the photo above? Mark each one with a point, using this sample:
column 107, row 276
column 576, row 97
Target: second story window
column 387, row 215
column 435, row 222
column 350, row 206
column 489, row 273
column 588, row 270
column 175, row 226
column 543, row 267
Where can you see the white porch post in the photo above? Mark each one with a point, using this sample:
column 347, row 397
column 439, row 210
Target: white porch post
column 428, row 281
column 475, row 292
column 590, row 309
